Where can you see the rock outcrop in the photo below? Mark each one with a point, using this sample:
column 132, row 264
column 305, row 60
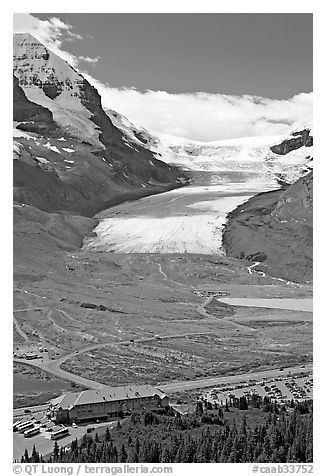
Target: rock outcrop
column 296, row 202
column 276, row 228
column 33, row 117
column 298, row 139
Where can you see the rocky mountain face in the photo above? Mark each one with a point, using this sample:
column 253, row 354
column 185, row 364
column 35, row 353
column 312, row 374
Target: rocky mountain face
column 30, row 116
column 245, row 155
column 276, row 228
column 273, row 228
column 132, row 133
column 69, row 155
column 296, row 202
column 297, row 139
column 72, row 157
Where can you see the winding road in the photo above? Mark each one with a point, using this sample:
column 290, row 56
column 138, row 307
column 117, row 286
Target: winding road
column 54, row 366
column 20, row 330
column 183, row 220
column 232, row 379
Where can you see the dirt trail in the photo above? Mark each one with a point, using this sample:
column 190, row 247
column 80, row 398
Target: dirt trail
column 201, row 308
column 28, row 292
column 20, row 330
column 54, row 366
column 28, row 309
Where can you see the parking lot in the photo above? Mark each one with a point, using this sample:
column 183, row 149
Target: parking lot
column 281, row 390
column 42, row 441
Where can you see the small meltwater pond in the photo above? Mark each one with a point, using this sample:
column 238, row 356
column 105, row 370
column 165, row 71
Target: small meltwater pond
column 305, row 304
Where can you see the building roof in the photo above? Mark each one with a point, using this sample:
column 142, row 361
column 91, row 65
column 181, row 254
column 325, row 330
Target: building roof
column 55, row 428
column 66, row 400
column 105, row 394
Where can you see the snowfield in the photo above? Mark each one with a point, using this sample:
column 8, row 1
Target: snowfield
column 186, row 220
column 191, row 219
column 246, row 153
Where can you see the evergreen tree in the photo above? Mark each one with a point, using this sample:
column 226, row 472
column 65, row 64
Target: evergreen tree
column 123, row 455
column 199, row 408
column 26, row 457
column 283, row 436
column 56, row 452
column 243, row 404
column 166, row 456
column 35, row 457
column 135, row 457
column 107, row 434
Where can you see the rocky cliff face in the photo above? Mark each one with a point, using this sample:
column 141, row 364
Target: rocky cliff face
column 36, row 66
column 297, row 139
column 272, row 229
column 296, row 202
column 51, row 81
column 32, row 117
column 276, row 228
column 72, row 157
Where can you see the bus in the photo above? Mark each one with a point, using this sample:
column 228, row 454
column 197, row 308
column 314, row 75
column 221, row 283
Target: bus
column 17, row 423
column 25, row 426
column 59, row 433
column 32, row 432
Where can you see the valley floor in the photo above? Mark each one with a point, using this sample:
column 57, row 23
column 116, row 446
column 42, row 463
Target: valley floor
column 149, row 318
column 139, row 301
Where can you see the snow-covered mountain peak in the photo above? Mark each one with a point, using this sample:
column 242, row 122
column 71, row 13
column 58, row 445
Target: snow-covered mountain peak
column 50, row 81
column 35, row 65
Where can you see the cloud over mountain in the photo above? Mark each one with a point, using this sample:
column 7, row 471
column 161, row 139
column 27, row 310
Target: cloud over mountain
column 206, row 117
column 51, row 33
column 198, row 116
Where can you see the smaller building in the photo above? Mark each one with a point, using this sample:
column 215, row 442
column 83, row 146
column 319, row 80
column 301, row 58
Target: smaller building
column 31, row 356
column 106, row 403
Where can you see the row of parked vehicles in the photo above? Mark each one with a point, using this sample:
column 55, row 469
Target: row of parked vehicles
column 29, row 429
column 300, row 391
column 30, row 355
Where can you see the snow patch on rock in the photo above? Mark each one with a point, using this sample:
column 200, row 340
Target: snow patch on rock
column 52, row 147
column 16, row 150
column 42, row 160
